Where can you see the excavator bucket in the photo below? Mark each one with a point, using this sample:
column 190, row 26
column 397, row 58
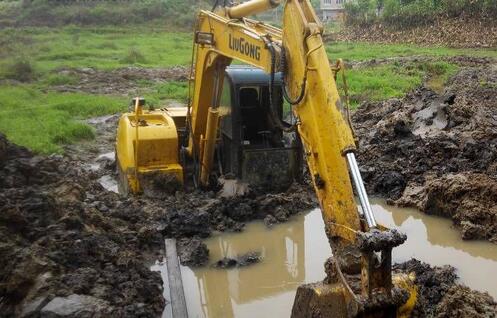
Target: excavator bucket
column 147, row 151
column 361, row 284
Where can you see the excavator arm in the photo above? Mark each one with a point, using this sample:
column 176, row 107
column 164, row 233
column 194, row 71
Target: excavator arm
column 359, row 276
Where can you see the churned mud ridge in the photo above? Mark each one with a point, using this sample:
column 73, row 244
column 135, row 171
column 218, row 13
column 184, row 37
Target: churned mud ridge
column 121, row 81
column 440, row 294
column 437, row 152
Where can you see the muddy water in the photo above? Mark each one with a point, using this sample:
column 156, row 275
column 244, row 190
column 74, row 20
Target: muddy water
column 294, row 253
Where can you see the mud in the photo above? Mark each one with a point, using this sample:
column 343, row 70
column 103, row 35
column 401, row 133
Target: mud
column 440, row 295
column 437, row 152
column 122, row 81
column 62, row 238
column 192, row 252
column 240, row 261
column 462, row 61
column 67, row 242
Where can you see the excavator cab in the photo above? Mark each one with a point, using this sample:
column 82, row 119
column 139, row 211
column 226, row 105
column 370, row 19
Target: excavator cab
column 253, row 148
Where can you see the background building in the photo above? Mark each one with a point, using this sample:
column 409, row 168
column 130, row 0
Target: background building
column 332, row 9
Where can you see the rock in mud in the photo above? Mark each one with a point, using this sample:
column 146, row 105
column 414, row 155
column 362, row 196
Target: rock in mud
column 240, row 261
column 437, row 152
column 270, row 221
column 192, row 252
column 74, row 306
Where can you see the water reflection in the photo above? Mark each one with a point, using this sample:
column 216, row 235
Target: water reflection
column 235, row 292
column 294, row 253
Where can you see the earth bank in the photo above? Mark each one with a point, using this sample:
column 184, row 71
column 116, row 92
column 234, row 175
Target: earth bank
column 437, row 151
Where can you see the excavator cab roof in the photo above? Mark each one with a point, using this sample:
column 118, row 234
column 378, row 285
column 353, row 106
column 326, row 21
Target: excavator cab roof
column 245, row 74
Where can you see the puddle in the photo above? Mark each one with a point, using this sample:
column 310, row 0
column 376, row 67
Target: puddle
column 294, row 253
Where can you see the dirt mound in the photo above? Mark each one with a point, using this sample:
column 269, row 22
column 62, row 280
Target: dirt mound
column 468, row 198
column 463, row 61
column 445, row 32
column 412, row 150
column 460, row 301
column 439, row 294
column 122, row 81
column 57, row 243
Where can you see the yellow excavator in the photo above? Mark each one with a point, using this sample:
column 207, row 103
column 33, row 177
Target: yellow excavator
column 235, row 125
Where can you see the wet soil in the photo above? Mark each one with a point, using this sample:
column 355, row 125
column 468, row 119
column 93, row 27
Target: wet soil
column 70, row 247
column 440, row 295
column 247, row 259
column 64, row 237
column 462, row 61
column 122, row 81
column 437, row 151
column 192, row 252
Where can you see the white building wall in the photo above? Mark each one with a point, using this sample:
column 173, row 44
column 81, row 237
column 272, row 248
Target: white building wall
column 331, row 8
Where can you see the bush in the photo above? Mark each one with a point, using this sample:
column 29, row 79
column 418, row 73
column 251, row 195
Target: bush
column 55, row 13
column 21, row 70
column 416, row 12
column 360, row 11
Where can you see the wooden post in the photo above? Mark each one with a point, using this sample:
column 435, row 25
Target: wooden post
column 178, row 302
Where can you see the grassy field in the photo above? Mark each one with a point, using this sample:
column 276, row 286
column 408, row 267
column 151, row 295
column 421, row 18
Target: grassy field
column 381, row 82
column 34, row 115
column 44, row 122
column 357, row 51
column 102, row 48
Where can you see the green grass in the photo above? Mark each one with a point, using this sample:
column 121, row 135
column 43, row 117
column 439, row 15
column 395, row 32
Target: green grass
column 102, row 48
column 34, row 116
column 45, row 121
column 357, row 51
column 392, row 80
